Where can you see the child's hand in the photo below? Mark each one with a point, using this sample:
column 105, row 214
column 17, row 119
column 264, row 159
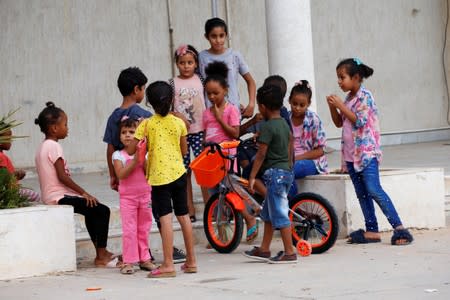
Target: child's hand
column 334, row 101
column 20, row 174
column 216, row 112
column 182, row 117
column 258, row 117
column 251, row 184
column 114, row 183
column 91, row 201
column 141, row 150
column 247, row 112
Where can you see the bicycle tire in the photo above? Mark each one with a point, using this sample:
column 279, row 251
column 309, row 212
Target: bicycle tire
column 318, row 211
column 226, row 238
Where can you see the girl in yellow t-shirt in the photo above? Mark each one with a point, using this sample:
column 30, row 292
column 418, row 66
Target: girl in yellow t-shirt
column 166, row 145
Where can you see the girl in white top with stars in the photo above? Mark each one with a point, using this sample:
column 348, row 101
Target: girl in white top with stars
column 189, row 105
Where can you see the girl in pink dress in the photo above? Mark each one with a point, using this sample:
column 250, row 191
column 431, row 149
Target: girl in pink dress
column 134, row 194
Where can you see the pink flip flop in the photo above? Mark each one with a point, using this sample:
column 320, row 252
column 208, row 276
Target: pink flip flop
column 158, row 274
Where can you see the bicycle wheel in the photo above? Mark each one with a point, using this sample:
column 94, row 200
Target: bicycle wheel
column 223, row 224
column 320, row 225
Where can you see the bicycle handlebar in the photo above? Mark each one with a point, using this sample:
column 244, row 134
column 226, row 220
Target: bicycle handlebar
column 216, row 147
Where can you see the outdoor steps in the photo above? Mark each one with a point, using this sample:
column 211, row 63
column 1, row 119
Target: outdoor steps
column 85, row 248
column 447, row 199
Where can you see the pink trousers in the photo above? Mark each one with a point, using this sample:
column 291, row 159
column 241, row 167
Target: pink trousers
column 136, row 218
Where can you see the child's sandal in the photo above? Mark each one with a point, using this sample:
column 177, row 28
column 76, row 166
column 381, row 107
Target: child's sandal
column 147, row 266
column 127, row 269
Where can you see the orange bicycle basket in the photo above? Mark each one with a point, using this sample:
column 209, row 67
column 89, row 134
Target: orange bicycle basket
column 209, row 168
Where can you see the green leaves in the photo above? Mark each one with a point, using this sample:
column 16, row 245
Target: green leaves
column 9, row 191
column 6, row 124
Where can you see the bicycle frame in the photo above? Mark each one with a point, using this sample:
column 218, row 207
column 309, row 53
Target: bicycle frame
column 234, row 188
column 312, row 216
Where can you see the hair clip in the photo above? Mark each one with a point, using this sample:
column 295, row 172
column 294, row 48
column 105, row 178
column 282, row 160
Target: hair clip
column 301, row 83
column 124, row 118
column 357, row 61
column 182, row 50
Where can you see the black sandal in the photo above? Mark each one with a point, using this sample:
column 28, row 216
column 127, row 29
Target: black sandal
column 401, row 234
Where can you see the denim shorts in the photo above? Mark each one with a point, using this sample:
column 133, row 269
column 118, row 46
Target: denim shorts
column 276, row 205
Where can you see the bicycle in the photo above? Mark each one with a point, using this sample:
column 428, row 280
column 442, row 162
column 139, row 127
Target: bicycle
column 313, row 218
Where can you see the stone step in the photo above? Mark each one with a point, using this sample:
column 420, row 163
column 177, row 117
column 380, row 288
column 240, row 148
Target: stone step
column 447, row 185
column 447, row 205
column 447, row 199
column 86, row 249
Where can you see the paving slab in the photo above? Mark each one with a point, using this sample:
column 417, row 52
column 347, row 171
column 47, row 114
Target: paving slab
column 373, row 271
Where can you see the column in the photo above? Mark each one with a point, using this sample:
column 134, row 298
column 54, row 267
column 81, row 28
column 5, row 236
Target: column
column 289, row 41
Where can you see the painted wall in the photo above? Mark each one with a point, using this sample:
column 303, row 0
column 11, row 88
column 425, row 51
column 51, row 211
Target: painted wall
column 71, row 52
column 402, row 41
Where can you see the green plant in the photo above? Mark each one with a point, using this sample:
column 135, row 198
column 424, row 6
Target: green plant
column 9, row 187
column 9, row 191
column 6, row 124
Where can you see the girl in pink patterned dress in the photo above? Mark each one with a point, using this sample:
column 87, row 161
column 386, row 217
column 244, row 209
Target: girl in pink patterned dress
column 308, row 134
column 361, row 152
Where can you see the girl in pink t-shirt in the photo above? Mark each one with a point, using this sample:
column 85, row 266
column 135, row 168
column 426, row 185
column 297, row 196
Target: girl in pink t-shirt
column 134, row 194
column 189, row 105
column 221, row 122
column 57, row 187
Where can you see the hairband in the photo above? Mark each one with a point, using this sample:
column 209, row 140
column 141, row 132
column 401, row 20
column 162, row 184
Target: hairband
column 301, row 83
column 357, row 61
column 183, row 49
column 124, row 118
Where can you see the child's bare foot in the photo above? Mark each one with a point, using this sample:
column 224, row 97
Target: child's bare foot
column 107, row 259
column 108, row 263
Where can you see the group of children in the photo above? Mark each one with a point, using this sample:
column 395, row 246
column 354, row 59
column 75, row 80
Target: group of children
column 148, row 155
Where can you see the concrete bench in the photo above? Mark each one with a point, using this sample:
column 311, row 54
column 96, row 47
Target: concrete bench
column 36, row 240
column 418, row 195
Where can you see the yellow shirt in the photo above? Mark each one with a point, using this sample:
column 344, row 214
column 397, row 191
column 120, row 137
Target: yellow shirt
column 165, row 161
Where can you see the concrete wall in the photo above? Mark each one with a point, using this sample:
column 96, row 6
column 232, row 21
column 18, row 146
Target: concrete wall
column 71, row 52
column 402, row 41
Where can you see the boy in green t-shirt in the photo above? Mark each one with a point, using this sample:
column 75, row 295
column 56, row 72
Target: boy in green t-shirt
column 273, row 159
